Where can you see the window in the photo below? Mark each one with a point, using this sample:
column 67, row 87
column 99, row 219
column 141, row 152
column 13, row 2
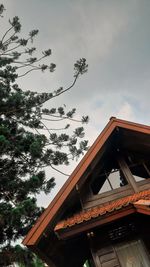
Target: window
column 140, row 171
column 139, row 166
column 109, row 181
column 132, row 254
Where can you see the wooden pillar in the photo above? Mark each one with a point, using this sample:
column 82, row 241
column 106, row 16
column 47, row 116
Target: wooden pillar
column 127, row 173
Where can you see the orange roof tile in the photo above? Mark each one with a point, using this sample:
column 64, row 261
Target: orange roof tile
column 101, row 210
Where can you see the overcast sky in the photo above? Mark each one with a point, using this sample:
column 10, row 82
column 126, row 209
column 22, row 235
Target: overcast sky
column 114, row 37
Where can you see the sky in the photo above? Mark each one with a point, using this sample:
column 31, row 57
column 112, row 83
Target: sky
column 113, row 36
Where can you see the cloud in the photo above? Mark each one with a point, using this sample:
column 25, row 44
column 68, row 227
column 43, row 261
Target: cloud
column 126, row 112
column 98, row 26
column 114, row 36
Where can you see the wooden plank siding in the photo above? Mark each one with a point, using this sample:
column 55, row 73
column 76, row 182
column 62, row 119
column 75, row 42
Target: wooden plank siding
column 144, row 185
column 104, row 246
column 100, row 199
column 106, row 257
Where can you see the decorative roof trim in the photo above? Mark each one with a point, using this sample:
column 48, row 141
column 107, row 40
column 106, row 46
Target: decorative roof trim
column 103, row 210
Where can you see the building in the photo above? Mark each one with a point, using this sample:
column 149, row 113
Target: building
column 100, row 217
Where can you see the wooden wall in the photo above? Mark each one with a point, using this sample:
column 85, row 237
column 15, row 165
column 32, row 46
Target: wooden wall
column 106, row 238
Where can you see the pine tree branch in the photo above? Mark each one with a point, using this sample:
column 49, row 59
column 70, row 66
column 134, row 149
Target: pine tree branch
column 5, row 194
column 45, row 119
column 67, row 89
column 54, row 129
column 11, row 49
column 61, row 118
column 22, row 75
column 37, row 131
column 27, row 64
column 46, row 128
column 6, row 33
column 24, row 65
column 63, row 91
column 58, row 170
column 8, row 41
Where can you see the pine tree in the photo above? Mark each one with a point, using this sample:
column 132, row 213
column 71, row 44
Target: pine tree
column 24, row 150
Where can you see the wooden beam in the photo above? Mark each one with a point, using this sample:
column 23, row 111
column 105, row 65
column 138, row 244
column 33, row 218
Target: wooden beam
column 83, row 227
column 143, row 206
column 145, row 166
column 106, row 197
column 143, row 210
column 127, row 173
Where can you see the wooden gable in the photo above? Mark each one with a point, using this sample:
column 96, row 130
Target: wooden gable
column 122, row 147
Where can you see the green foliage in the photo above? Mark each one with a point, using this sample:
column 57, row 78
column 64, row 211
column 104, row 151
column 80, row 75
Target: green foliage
column 22, row 256
column 24, row 150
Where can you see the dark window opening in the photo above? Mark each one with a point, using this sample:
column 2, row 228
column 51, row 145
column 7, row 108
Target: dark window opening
column 140, row 171
column 108, row 181
column 111, row 176
column 139, row 166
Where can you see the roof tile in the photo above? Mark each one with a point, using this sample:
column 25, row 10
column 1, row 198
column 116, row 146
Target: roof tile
column 102, row 210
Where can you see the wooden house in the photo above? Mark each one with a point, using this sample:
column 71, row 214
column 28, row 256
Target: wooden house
column 100, row 217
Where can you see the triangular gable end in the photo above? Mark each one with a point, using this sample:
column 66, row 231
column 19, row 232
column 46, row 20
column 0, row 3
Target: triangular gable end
column 82, row 172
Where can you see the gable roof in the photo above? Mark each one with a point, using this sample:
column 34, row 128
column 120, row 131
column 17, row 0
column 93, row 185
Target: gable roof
column 49, row 215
